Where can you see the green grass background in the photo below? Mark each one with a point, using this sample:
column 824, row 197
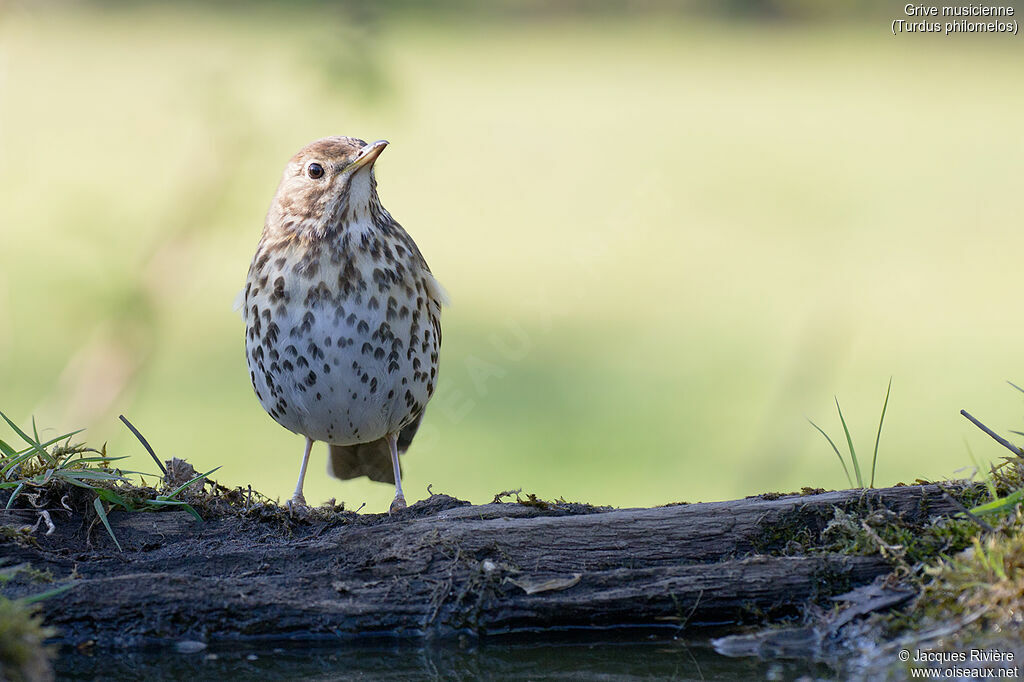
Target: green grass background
column 667, row 239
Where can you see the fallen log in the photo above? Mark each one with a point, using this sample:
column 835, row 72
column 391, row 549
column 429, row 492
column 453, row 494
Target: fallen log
column 444, row 566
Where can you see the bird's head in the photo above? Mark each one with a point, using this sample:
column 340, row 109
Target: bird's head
column 328, row 185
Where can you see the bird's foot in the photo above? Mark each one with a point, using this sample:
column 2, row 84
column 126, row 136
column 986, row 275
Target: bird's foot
column 397, row 503
column 297, row 504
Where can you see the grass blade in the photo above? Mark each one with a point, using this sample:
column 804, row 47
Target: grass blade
column 25, row 436
column 10, row 500
column 15, row 461
column 838, row 454
column 80, row 484
column 990, row 483
column 184, row 506
column 1001, row 504
column 33, row 450
column 28, row 439
column 114, row 500
column 98, row 504
column 91, row 460
column 878, row 436
column 849, row 442
column 145, row 444
column 89, row 474
column 1016, row 386
column 16, row 458
column 191, row 510
column 32, row 599
column 54, row 441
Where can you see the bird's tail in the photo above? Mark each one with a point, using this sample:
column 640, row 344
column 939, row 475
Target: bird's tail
column 371, row 459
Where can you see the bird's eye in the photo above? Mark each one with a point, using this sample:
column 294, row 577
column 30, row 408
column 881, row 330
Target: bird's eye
column 315, row 170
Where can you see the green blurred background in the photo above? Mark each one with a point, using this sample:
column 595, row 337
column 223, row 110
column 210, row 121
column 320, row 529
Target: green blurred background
column 670, row 233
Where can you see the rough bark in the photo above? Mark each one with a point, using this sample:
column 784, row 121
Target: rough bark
column 444, row 567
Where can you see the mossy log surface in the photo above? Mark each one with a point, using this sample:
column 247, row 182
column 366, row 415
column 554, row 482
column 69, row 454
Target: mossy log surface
column 445, row 567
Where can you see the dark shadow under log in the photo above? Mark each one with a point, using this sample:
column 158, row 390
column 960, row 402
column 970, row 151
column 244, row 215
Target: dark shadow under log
column 444, row 566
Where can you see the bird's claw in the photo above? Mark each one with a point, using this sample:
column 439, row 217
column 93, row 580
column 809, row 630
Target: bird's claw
column 297, row 505
column 397, row 503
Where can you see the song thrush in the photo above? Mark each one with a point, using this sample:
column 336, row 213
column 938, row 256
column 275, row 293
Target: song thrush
column 342, row 315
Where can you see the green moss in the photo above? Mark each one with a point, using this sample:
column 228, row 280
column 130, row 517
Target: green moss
column 984, row 582
column 19, row 535
column 971, row 578
column 795, row 532
column 25, row 572
column 1008, row 475
column 22, row 654
column 909, row 546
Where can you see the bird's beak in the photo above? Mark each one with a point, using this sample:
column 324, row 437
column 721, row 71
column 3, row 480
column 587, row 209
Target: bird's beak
column 369, row 154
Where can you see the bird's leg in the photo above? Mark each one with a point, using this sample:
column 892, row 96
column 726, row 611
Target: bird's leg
column 297, row 499
column 399, row 501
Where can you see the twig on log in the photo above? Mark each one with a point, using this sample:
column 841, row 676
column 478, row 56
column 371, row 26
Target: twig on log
column 995, row 436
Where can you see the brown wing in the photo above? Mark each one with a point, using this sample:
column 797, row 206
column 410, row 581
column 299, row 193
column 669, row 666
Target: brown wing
column 405, row 435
